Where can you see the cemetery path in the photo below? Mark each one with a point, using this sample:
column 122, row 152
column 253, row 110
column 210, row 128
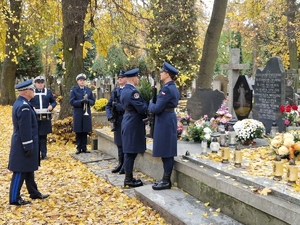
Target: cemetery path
column 78, row 196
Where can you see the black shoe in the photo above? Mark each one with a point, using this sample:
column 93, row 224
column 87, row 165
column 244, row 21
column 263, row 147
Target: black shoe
column 20, row 202
column 77, row 152
column 44, row 157
column 133, row 183
column 122, row 171
column 161, row 185
column 86, row 151
column 40, row 196
column 117, row 168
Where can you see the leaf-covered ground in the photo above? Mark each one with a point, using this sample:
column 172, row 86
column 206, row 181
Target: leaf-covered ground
column 78, row 196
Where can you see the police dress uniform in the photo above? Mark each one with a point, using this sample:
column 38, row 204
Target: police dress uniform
column 24, row 152
column 117, row 133
column 82, row 123
column 133, row 127
column 165, row 128
column 42, row 99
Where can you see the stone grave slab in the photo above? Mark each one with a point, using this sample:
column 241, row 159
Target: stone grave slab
column 269, row 94
column 204, row 102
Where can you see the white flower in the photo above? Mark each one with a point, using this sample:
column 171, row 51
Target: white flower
column 207, row 130
column 283, row 150
column 207, row 136
column 288, row 142
column 249, row 129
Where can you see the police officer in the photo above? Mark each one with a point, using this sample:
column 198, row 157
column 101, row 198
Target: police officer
column 133, row 127
column 165, row 140
column 117, row 121
column 43, row 103
column 24, row 151
column 81, row 98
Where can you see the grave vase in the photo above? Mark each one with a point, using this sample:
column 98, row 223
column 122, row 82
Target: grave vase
column 291, row 127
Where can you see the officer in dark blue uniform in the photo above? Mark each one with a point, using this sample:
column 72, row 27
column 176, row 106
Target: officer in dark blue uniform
column 81, row 98
column 165, row 140
column 133, row 127
column 43, row 103
column 24, row 151
column 117, row 121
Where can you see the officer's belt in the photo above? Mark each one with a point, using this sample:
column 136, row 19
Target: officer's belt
column 169, row 109
column 131, row 111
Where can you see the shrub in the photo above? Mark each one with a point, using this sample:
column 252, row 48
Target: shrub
column 100, row 104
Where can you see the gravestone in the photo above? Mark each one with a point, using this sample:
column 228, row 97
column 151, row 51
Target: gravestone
column 221, row 83
column 269, row 94
column 289, row 95
column 204, row 102
column 242, row 97
column 234, row 68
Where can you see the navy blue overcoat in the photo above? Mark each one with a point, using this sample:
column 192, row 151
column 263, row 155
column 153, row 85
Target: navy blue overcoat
column 120, row 109
column 24, row 137
column 81, row 122
column 165, row 127
column 42, row 99
column 133, row 127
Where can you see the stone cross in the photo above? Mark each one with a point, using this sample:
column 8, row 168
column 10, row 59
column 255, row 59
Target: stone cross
column 234, row 68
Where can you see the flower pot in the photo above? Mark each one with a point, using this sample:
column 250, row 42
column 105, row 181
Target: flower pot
column 248, row 142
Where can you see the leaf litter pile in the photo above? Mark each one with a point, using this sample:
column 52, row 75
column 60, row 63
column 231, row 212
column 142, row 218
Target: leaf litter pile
column 77, row 196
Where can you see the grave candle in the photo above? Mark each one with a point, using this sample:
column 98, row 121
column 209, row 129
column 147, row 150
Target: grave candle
column 238, row 156
column 225, row 154
column 292, row 174
column 204, row 146
column 278, row 170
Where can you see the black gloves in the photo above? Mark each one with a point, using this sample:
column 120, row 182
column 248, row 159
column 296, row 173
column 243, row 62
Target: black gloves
column 29, row 152
column 84, row 101
column 112, row 119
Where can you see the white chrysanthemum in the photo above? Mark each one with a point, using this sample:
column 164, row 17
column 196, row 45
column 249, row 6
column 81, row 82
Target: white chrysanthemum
column 283, row 150
column 207, row 136
column 278, row 137
column 276, row 143
column 288, row 142
column 288, row 135
column 207, row 130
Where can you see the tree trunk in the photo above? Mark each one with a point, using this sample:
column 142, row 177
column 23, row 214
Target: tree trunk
column 291, row 33
column 74, row 12
column 8, row 94
column 210, row 47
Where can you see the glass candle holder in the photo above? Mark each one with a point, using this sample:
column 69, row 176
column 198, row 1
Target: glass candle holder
column 292, row 174
column 277, row 170
column 225, row 154
column 204, row 146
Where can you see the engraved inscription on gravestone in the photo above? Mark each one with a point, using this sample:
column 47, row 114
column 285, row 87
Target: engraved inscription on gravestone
column 269, row 94
column 204, row 102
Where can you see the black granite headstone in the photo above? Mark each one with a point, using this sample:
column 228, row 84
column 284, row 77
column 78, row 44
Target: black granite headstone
column 269, row 94
column 242, row 97
column 204, row 102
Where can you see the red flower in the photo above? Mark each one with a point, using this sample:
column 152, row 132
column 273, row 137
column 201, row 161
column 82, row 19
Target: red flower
column 288, row 108
column 295, row 107
column 282, row 109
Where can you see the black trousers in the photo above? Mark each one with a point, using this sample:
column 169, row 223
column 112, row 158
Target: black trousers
column 16, row 185
column 129, row 162
column 43, row 145
column 81, row 141
column 168, row 164
column 120, row 152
